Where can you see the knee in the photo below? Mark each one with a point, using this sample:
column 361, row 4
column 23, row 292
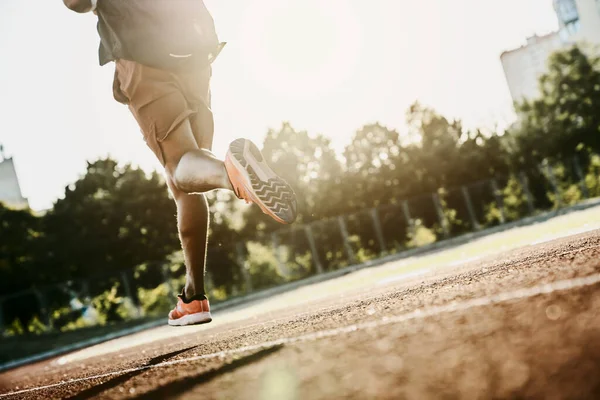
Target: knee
column 174, row 187
column 197, row 171
column 181, row 173
column 191, row 229
column 177, row 188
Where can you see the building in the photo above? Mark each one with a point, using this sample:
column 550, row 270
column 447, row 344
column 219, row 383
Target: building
column 10, row 191
column 524, row 66
column 579, row 21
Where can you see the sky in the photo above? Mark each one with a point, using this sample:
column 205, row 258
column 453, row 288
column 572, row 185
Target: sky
column 327, row 67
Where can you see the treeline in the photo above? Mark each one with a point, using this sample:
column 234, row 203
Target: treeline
column 117, row 217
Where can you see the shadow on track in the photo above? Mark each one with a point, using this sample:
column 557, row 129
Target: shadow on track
column 112, row 383
column 182, row 385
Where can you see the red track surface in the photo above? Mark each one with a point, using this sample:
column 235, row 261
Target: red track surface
column 523, row 324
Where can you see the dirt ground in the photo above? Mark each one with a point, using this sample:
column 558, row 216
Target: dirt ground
column 519, row 325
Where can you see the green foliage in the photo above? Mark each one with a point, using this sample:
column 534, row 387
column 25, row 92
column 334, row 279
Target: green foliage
column 14, row 329
column 117, row 218
column 450, row 214
column 592, row 177
column 19, row 246
column 36, row 326
column 569, row 192
column 156, row 301
column 514, row 201
column 420, row 235
column 79, row 323
column 262, row 266
column 112, row 307
column 111, row 219
column 309, row 164
column 566, row 115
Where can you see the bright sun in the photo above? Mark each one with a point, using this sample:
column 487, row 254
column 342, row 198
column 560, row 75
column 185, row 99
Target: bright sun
column 306, row 48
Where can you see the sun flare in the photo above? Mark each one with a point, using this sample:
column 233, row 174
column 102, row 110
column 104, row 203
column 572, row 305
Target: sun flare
column 305, row 48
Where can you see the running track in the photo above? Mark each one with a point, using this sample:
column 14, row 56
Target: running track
column 521, row 324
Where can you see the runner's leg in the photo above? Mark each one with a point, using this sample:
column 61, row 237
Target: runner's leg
column 191, row 170
column 158, row 102
column 192, row 224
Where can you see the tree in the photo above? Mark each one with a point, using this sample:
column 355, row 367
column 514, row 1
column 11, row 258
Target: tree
column 310, row 166
column 112, row 219
column 566, row 116
column 377, row 167
column 19, row 248
column 435, row 155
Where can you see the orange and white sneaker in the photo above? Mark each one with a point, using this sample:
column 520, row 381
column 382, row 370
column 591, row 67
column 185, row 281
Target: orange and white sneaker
column 254, row 181
column 194, row 312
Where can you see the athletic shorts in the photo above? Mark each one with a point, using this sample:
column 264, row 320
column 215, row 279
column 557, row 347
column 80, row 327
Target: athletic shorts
column 161, row 100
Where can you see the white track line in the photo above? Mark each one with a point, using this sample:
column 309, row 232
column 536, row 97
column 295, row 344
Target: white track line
column 414, row 315
column 491, row 269
column 335, row 306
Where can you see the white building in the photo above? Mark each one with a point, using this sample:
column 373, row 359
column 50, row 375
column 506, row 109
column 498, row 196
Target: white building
column 579, row 21
column 10, row 191
column 523, row 66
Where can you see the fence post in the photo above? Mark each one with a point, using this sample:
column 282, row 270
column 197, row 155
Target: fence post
column 85, row 291
column 313, row 248
column 345, row 237
column 470, row 210
column 409, row 221
column 580, row 176
column 525, row 185
column 554, row 184
column 499, row 200
column 44, row 311
column 167, row 278
column 129, row 293
column 241, row 257
column 275, row 245
column 377, row 226
column 440, row 213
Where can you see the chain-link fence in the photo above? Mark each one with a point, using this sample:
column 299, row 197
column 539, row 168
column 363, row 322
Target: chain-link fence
column 300, row 251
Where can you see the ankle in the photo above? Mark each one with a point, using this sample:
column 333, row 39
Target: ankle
column 188, row 297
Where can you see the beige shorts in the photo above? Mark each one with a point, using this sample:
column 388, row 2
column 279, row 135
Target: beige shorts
column 161, row 100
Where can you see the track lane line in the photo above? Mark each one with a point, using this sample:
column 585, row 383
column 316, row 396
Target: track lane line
column 272, row 321
column 524, row 293
column 429, row 273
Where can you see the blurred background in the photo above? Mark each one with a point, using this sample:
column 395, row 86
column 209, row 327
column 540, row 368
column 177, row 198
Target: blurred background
column 400, row 124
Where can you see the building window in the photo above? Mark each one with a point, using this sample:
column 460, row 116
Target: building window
column 573, row 27
column 566, row 11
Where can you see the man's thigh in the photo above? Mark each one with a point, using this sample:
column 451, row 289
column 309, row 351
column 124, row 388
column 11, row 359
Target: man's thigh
column 203, row 127
column 196, row 86
column 167, row 119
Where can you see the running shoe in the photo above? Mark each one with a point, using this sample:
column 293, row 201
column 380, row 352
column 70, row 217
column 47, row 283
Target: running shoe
column 254, row 181
column 192, row 313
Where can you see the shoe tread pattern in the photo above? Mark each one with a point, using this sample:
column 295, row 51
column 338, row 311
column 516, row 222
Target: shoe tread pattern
column 276, row 194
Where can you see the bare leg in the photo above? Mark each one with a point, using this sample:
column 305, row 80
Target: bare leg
column 192, row 223
column 199, row 171
column 191, row 169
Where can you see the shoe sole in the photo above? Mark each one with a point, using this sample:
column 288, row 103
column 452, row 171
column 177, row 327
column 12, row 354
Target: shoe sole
column 192, row 319
column 275, row 197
